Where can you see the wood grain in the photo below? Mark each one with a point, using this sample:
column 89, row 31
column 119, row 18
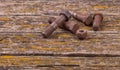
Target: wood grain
column 22, row 46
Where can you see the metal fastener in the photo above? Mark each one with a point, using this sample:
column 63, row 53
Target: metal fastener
column 64, row 16
column 71, row 26
column 81, row 34
column 98, row 18
column 84, row 18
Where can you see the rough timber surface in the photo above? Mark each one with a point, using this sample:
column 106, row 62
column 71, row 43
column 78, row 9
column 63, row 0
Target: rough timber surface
column 23, row 48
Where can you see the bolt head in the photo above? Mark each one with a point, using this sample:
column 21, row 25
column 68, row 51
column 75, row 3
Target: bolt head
column 66, row 13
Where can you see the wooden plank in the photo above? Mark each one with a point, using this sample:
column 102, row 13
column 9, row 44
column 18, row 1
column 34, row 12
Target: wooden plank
column 46, row 61
column 58, row 68
column 38, row 62
column 39, row 7
column 40, row 68
column 27, row 43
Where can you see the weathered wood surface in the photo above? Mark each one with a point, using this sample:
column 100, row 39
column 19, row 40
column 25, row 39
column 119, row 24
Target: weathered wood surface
column 23, row 48
column 72, row 63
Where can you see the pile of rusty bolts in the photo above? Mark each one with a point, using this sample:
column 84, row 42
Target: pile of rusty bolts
column 63, row 21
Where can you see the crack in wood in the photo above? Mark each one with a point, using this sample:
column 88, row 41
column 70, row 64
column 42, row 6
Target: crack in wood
column 67, row 54
column 58, row 65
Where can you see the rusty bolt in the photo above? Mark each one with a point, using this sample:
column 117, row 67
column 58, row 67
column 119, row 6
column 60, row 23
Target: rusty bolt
column 98, row 18
column 72, row 27
column 64, row 16
column 84, row 18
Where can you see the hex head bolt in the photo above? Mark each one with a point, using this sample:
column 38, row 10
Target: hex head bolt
column 64, row 16
column 98, row 18
column 84, row 18
column 72, row 27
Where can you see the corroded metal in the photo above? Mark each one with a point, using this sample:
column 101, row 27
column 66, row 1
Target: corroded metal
column 93, row 19
column 84, row 18
column 64, row 16
column 71, row 26
column 98, row 18
column 81, row 34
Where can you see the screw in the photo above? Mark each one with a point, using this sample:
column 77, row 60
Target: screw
column 72, row 27
column 64, row 16
column 84, row 18
column 98, row 18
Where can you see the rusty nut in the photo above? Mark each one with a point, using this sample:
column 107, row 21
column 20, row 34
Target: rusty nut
column 81, row 34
